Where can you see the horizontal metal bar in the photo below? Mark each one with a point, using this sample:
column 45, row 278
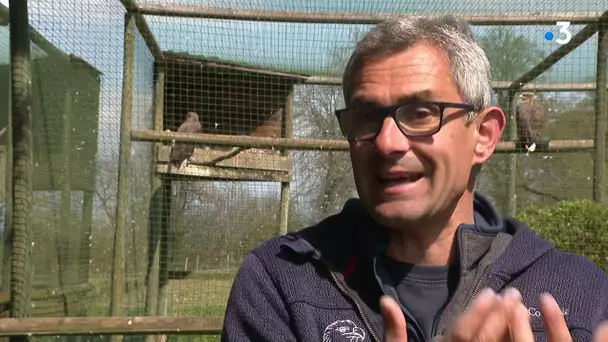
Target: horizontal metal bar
column 240, row 141
column 354, row 18
column 246, row 141
column 109, row 326
column 555, row 146
column 539, row 87
column 549, row 87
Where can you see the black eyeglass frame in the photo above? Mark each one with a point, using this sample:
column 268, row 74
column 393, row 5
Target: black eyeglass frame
column 392, row 112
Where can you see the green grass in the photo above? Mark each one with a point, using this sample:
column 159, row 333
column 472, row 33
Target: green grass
column 205, row 296
column 202, row 338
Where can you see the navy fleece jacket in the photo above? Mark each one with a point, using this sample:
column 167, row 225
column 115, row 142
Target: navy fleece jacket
column 320, row 284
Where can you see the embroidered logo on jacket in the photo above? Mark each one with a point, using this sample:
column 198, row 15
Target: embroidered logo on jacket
column 534, row 312
column 344, row 330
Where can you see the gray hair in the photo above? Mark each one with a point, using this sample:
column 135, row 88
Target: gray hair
column 468, row 63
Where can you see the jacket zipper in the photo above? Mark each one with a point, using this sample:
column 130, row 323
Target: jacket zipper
column 469, row 301
column 359, row 310
column 413, row 328
column 436, row 321
column 412, row 325
column 477, row 287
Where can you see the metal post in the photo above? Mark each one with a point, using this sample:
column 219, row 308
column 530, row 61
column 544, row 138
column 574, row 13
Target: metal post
column 163, row 291
column 21, row 246
column 512, row 161
column 8, row 203
column 286, row 186
column 601, row 111
column 159, row 98
column 65, row 231
column 155, row 225
column 85, row 241
column 166, row 196
column 122, row 201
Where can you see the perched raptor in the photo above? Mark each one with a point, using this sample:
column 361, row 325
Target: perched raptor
column 181, row 152
column 531, row 120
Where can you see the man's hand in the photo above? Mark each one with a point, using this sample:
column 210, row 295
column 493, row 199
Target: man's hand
column 395, row 328
column 601, row 333
column 555, row 323
column 487, row 320
column 492, row 317
column 553, row 320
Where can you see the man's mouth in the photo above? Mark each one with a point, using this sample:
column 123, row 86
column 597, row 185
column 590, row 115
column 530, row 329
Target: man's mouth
column 400, row 178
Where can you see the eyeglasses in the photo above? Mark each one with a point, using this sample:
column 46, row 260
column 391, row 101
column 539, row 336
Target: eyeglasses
column 415, row 119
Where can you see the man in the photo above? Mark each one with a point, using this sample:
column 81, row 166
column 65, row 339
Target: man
column 420, row 243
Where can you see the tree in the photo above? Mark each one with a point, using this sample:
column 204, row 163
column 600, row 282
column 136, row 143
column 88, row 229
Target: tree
column 324, row 179
column 510, row 54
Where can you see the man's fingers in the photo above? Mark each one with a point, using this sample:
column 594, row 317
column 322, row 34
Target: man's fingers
column 553, row 319
column 601, row 333
column 521, row 330
column 469, row 324
column 496, row 326
column 395, row 329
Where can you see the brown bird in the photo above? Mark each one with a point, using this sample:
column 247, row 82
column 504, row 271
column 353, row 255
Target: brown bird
column 531, row 120
column 181, row 152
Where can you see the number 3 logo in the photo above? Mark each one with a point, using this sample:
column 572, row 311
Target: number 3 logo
column 563, row 28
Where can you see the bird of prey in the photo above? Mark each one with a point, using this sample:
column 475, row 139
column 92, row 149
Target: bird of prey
column 181, row 152
column 343, row 330
column 531, row 120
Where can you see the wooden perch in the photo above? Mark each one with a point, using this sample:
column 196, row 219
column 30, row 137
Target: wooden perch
column 235, row 151
column 237, row 163
column 236, row 157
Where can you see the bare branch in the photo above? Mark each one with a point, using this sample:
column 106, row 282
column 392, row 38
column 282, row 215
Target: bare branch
column 528, row 188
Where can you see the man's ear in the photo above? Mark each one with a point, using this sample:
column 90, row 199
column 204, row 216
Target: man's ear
column 490, row 125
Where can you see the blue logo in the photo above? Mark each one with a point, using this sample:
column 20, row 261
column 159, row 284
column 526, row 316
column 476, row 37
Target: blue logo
column 565, row 34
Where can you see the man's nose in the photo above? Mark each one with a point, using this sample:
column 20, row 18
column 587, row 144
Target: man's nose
column 390, row 140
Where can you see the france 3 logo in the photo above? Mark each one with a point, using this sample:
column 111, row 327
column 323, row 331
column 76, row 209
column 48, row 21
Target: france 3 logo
column 564, row 35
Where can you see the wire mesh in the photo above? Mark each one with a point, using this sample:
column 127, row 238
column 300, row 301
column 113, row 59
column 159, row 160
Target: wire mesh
column 194, row 214
column 76, row 109
column 398, row 7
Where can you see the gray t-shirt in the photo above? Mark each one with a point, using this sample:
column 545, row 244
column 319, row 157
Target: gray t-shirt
column 423, row 290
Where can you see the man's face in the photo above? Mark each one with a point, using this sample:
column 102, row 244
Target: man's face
column 404, row 180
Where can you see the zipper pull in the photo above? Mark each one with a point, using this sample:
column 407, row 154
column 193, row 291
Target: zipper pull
column 438, row 338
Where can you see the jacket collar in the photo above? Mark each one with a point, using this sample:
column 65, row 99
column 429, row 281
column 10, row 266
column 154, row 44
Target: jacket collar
column 353, row 232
